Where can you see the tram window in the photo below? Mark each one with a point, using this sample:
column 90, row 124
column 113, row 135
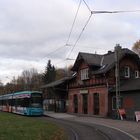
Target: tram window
column 36, row 101
column 16, row 102
column 13, row 102
column 4, row 102
column 10, row 102
column 19, row 102
column 1, row 102
column 26, row 102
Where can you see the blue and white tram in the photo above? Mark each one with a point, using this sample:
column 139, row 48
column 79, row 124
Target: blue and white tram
column 25, row 103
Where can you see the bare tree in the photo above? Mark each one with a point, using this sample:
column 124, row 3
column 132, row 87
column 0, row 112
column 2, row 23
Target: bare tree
column 28, row 80
column 31, row 79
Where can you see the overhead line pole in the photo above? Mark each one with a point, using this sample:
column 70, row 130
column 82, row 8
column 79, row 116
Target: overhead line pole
column 117, row 75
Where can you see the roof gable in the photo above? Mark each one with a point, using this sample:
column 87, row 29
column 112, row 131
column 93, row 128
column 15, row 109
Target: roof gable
column 103, row 62
column 88, row 58
column 57, row 82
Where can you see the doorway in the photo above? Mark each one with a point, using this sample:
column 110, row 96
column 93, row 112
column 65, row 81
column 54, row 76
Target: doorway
column 75, row 102
column 85, row 103
column 96, row 103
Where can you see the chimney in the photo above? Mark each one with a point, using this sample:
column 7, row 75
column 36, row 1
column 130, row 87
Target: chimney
column 117, row 51
column 118, row 47
column 109, row 52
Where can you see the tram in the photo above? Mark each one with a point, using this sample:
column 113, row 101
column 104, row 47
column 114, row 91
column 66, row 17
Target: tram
column 24, row 103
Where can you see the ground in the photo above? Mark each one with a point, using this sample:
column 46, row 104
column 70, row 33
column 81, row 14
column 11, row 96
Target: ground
column 15, row 127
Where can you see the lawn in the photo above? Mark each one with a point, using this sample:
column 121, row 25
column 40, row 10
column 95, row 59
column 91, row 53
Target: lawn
column 16, row 127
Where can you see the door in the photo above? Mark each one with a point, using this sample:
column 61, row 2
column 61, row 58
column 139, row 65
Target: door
column 75, row 102
column 96, row 103
column 85, row 103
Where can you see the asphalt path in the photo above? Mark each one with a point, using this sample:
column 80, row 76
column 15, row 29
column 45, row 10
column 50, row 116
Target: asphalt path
column 88, row 131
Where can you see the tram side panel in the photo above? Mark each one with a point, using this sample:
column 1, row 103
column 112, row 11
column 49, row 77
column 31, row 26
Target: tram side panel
column 19, row 106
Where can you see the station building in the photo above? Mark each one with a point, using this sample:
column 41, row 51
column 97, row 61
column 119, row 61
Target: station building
column 91, row 89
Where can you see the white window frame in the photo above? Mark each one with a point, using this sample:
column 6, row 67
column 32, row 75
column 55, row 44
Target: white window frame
column 127, row 72
column 136, row 74
column 84, row 74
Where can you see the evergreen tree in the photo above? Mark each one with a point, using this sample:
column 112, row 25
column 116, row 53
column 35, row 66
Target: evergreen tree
column 49, row 74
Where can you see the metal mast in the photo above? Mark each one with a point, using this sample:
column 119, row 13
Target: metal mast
column 117, row 75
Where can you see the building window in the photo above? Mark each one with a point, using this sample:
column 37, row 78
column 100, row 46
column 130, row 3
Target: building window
column 126, row 72
column 136, row 74
column 84, row 74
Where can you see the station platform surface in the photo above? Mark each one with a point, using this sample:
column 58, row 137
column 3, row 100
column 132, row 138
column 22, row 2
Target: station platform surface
column 58, row 115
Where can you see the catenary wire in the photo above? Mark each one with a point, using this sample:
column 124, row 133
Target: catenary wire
column 49, row 53
column 87, row 5
column 92, row 12
column 79, row 36
column 96, row 12
column 113, row 12
column 66, row 44
column 73, row 22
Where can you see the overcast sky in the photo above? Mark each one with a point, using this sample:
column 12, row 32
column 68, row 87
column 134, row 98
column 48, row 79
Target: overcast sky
column 31, row 29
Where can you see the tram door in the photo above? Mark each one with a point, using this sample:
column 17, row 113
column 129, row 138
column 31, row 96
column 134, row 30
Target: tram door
column 85, row 103
column 75, row 102
column 96, row 103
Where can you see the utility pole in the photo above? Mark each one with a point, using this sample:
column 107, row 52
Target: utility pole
column 117, row 75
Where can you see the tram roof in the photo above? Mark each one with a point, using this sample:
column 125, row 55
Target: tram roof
column 26, row 92
column 8, row 96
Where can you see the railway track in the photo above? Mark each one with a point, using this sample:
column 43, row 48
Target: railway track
column 79, row 131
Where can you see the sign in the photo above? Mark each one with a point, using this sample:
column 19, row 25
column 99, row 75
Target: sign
column 122, row 114
column 137, row 114
column 21, row 96
column 84, row 91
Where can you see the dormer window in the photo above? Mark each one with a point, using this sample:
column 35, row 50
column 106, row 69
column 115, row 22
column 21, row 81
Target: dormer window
column 136, row 74
column 84, row 74
column 126, row 72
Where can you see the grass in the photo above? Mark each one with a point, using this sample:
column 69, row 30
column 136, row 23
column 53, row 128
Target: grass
column 16, row 127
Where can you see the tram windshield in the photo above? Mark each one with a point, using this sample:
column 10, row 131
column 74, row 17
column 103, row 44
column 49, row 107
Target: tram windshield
column 36, row 100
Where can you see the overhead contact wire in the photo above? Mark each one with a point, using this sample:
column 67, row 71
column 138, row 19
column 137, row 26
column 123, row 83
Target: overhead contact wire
column 87, row 5
column 73, row 23
column 79, row 36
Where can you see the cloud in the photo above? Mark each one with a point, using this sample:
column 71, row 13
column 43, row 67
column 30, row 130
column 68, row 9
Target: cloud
column 31, row 30
column 13, row 67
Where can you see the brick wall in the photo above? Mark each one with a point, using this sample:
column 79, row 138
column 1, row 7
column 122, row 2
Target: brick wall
column 103, row 100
